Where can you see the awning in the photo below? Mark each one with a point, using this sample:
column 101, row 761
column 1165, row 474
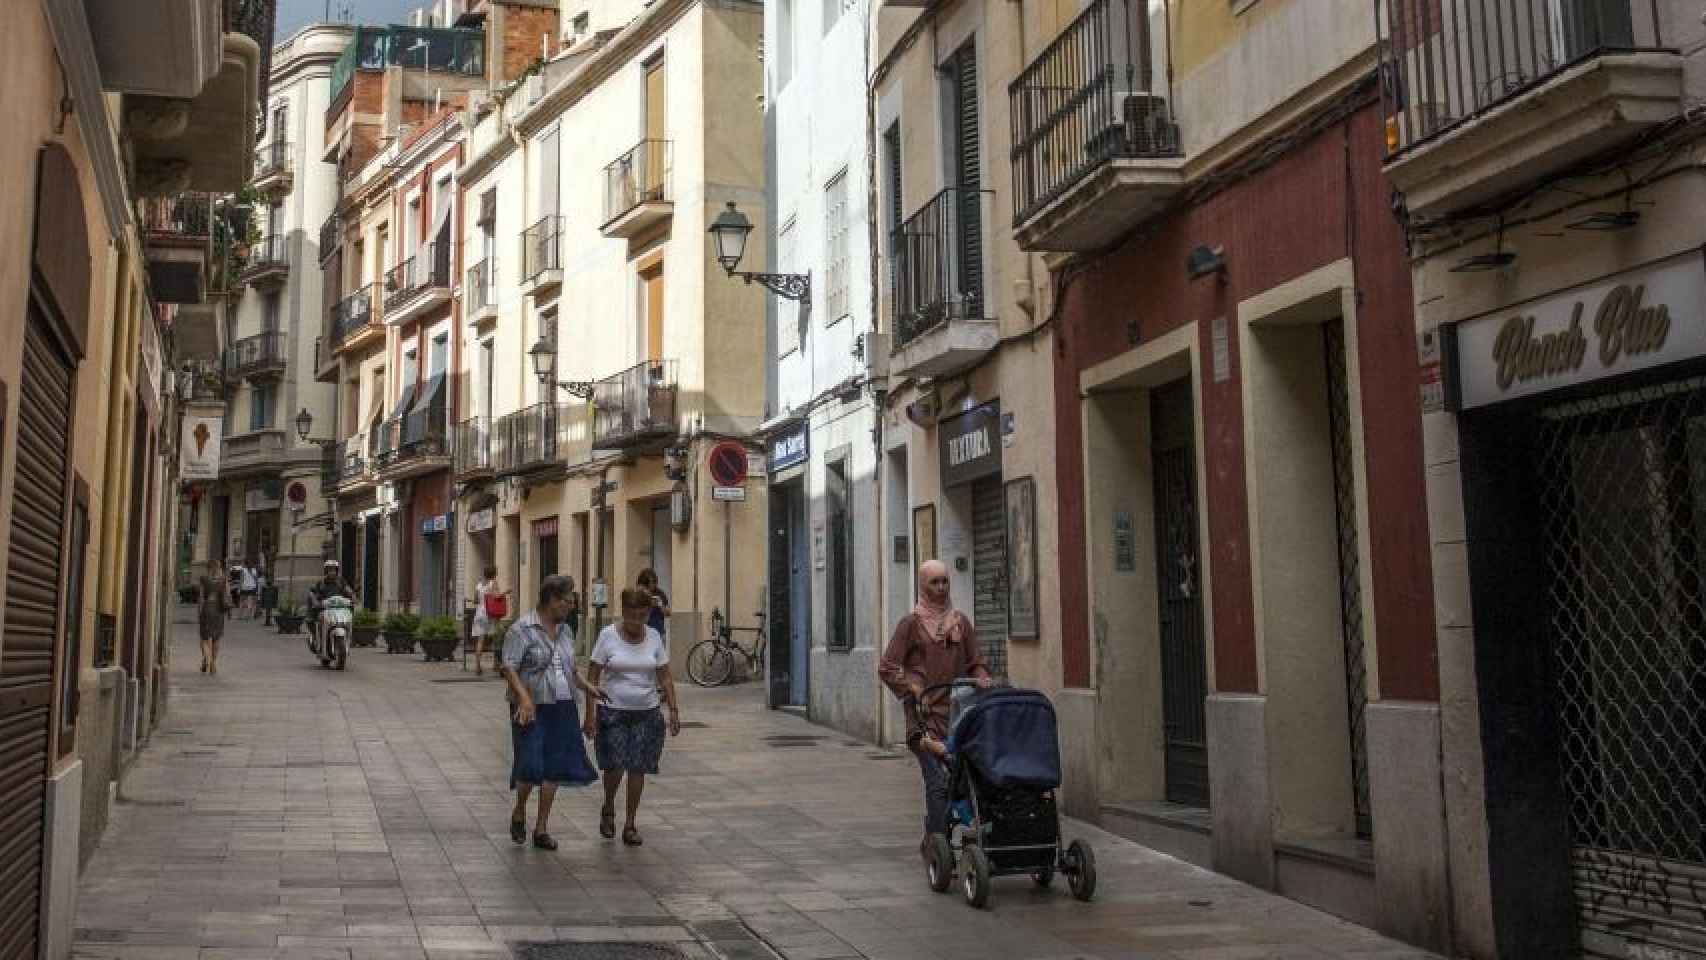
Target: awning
column 404, row 402
column 426, row 398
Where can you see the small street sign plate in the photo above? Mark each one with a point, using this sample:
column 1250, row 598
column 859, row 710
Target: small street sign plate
column 732, row 494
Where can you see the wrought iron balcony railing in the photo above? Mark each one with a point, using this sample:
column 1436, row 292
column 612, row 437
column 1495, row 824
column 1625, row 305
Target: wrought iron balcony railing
column 187, row 216
column 481, row 290
column 351, row 314
column 272, row 158
column 1448, row 63
column 1086, row 100
column 263, row 353
column 352, row 459
column 471, row 447
column 541, row 247
column 938, row 263
column 269, row 255
column 533, row 438
column 430, row 268
column 635, row 406
column 639, row 176
column 331, row 237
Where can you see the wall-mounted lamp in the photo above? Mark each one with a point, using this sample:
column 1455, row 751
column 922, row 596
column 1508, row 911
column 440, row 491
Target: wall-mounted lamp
column 304, row 424
column 544, row 355
column 1204, row 260
column 730, row 230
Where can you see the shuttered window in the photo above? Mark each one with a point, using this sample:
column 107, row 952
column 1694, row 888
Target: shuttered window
column 968, row 170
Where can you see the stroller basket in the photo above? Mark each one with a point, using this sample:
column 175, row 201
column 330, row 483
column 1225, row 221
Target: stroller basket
column 1008, row 737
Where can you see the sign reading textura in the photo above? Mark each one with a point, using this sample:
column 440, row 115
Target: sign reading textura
column 970, row 449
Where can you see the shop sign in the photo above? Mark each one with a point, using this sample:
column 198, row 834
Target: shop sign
column 198, row 449
column 435, row 524
column 482, row 520
column 970, row 447
column 1630, row 321
column 790, row 449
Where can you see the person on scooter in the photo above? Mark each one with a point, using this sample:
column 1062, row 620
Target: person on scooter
column 332, row 584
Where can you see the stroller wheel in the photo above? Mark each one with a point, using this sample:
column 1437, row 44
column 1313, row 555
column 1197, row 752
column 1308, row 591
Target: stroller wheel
column 1081, row 870
column 976, row 876
column 939, row 864
column 1043, row 878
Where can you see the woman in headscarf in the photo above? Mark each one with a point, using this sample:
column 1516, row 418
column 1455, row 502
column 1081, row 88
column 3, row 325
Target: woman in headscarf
column 933, row 644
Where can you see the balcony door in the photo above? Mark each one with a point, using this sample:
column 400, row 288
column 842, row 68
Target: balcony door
column 651, row 282
column 965, row 175
column 656, row 131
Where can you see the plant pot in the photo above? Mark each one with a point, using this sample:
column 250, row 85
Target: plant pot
column 399, row 642
column 438, row 648
column 364, row 636
column 288, row 623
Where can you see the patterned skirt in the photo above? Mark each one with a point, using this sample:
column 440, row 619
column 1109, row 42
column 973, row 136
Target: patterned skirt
column 630, row 740
column 550, row 749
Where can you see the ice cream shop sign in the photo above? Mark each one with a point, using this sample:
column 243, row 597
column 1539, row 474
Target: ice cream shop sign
column 1632, row 321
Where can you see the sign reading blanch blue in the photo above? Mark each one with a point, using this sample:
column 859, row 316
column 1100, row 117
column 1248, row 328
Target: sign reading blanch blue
column 789, row 449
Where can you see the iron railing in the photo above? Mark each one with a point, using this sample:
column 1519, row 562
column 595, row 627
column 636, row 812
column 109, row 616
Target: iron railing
column 471, row 447
column 530, row 439
column 351, row 455
column 1447, row 62
column 261, row 353
column 636, row 405
column 351, row 314
column 257, row 20
column 541, row 247
column 1085, row 100
column 269, row 254
column 328, row 469
column 639, row 176
column 481, row 290
column 187, row 215
column 938, row 263
column 331, row 237
column 272, row 158
column 431, row 268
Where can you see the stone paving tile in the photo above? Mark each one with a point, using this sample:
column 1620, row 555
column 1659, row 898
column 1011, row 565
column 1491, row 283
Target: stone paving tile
column 297, row 814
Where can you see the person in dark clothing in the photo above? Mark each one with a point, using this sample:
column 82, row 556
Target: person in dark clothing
column 658, row 616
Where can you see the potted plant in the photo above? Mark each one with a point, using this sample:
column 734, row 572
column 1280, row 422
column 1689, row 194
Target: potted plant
column 399, row 631
column 438, row 637
column 289, row 617
column 366, row 631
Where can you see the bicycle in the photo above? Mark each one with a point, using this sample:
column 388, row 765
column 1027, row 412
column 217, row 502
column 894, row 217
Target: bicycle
column 711, row 661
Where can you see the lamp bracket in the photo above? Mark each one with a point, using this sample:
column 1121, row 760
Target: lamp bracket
column 793, row 286
column 576, row 388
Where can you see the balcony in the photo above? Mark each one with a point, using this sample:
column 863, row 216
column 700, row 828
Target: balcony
column 449, row 52
column 269, row 263
column 353, row 323
column 533, row 440
column 253, row 454
column 1484, row 98
column 417, row 442
column 354, row 467
column 480, row 293
column 471, row 450
column 635, row 408
column 331, row 237
column 636, row 190
column 260, row 357
column 418, row 284
column 274, row 171
column 941, row 325
column 542, row 256
column 1095, row 150
column 177, row 234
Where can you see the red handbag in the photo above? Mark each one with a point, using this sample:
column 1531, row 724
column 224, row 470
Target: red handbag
column 497, row 606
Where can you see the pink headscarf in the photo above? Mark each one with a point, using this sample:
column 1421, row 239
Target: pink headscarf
column 939, row 620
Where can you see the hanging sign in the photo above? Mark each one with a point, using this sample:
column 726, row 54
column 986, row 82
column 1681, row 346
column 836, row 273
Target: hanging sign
column 970, row 448
column 789, row 449
column 482, row 520
column 435, row 524
column 1629, row 321
column 199, row 447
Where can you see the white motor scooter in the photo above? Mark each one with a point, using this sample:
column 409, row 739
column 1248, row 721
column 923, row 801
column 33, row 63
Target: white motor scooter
column 332, row 641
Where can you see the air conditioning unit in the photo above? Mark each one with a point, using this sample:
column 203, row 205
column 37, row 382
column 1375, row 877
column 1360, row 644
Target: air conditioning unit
column 878, row 346
column 1149, row 127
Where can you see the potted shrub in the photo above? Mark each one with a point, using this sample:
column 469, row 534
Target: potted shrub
column 289, row 617
column 366, row 631
column 438, row 638
column 399, row 630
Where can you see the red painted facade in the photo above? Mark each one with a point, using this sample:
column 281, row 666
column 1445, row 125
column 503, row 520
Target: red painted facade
column 1324, row 201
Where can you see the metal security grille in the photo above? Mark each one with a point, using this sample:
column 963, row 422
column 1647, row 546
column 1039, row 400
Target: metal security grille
column 989, row 571
column 1350, row 568
column 1184, row 661
column 1624, row 514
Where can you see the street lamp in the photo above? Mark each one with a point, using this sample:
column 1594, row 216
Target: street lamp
column 304, row 423
column 544, row 356
column 730, row 231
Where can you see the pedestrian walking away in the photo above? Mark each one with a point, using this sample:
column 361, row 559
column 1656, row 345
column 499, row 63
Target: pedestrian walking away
column 491, row 604
column 538, row 664
column 631, row 665
column 213, row 602
column 657, row 617
column 250, row 590
column 934, row 644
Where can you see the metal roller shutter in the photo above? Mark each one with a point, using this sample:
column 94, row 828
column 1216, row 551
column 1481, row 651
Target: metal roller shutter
column 31, row 630
column 989, row 571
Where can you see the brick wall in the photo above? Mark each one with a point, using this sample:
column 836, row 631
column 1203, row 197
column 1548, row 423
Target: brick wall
column 522, row 28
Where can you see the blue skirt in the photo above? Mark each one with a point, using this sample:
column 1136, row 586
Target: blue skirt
column 630, row 740
column 550, row 749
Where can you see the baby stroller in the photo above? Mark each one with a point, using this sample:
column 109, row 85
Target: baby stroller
column 1003, row 769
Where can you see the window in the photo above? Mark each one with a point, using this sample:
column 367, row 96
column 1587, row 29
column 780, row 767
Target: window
column 836, row 247
column 891, row 164
column 548, row 325
column 260, row 406
column 652, row 303
column 787, row 311
column 269, row 313
column 487, row 367
column 439, row 356
column 550, row 175
column 840, row 552
column 411, row 360
column 655, row 101
column 582, row 25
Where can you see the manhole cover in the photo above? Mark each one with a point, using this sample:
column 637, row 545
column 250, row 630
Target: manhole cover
column 565, row 950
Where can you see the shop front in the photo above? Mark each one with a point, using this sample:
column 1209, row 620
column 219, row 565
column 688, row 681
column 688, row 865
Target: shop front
column 1581, row 424
column 790, row 616
column 970, row 458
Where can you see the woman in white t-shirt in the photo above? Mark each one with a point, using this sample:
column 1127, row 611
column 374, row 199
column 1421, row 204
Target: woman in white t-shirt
column 630, row 665
column 491, row 604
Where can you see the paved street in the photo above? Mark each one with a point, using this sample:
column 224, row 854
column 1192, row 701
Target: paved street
column 285, row 811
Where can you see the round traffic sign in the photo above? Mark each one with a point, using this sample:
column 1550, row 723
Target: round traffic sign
column 727, row 462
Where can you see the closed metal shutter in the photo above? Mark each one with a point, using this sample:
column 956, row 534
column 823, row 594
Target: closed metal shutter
column 989, row 571
column 31, row 628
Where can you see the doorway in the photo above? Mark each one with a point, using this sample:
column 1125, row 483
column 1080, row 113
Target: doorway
column 663, row 547
column 432, row 575
column 1184, row 668
column 370, row 565
column 790, row 596
column 989, row 571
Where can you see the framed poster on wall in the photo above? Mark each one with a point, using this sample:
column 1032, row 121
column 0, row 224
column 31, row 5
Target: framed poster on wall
column 923, row 540
column 1020, row 498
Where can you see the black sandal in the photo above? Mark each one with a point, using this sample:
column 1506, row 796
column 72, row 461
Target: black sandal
column 544, row 842
column 631, row 835
column 607, row 823
column 518, row 831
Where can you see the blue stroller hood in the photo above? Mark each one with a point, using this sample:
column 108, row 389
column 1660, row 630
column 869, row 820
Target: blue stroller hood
column 1008, row 737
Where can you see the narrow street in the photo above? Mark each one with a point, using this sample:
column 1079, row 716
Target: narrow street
column 285, row 811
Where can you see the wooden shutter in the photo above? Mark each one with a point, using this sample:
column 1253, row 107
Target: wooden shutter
column 968, row 173
column 654, row 313
column 32, row 621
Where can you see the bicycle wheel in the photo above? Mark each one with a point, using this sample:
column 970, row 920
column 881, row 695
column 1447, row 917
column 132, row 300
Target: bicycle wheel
column 709, row 664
